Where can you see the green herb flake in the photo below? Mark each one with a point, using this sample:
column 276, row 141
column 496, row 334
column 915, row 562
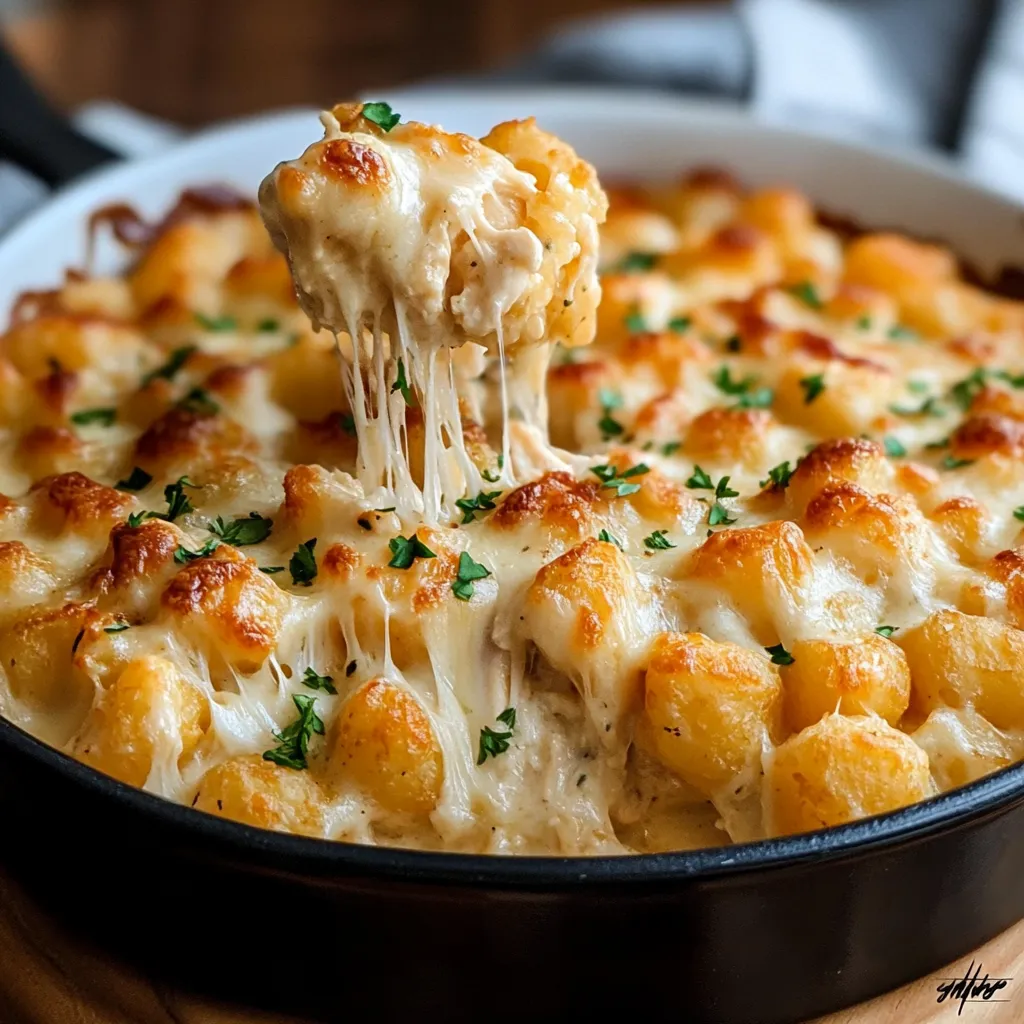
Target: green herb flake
column 314, row 681
column 135, row 519
column 719, row 515
column 637, row 262
column 469, row 572
column 405, row 550
column 949, row 462
column 863, row 323
column 178, row 503
column 198, row 401
column 216, row 323
column 778, row 476
column 813, row 386
column 886, row 631
column 381, row 115
column 493, row 743
column 760, row 398
column 138, row 479
column 268, row 326
column 1018, row 513
column 169, row 370
column 658, row 541
column 929, row 407
column 807, row 293
column 271, row 570
column 610, row 538
column 900, row 333
column 302, row 564
column 779, row 655
column 607, row 424
column 894, row 448
column 699, row 480
column 611, row 478
column 293, row 741
column 183, row 555
column 722, row 380
column 963, row 392
column 239, row 532
column 402, row 384
column 100, row 417
column 679, row 324
column 117, row 627
column 671, row 447
column 635, row 322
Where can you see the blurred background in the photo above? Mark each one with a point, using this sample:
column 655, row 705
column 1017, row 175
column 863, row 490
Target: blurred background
column 193, row 61
column 940, row 74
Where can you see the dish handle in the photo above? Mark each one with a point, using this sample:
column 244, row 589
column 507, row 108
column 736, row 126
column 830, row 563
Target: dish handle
column 36, row 137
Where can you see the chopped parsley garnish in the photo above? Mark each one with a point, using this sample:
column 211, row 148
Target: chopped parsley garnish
column 963, row 392
column 919, row 387
column 886, row 631
column 178, row 503
column 1018, row 513
column 135, row 519
column 929, row 407
column 607, row 424
column 637, row 262
column 270, row 570
column 949, row 462
column 101, row 417
column 314, row 681
column 724, row 382
column 405, row 550
column 759, row 398
column 678, row 324
column 239, row 532
column 198, row 400
column 381, row 115
column 268, row 326
column 117, row 627
column 350, row 668
column 699, row 480
column 170, row 369
column 778, row 476
column 943, row 442
column 217, row 323
column 719, row 515
column 137, row 480
column 183, row 555
column 402, row 384
column 620, row 482
column 635, row 322
column 469, row 572
column 807, row 293
column 1014, row 380
column 483, row 502
column 813, row 386
column 494, row 743
column 293, row 741
column 302, row 564
column 894, row 447
column 492, row 478
column 863, row 323
column 671, row 447
column 779, row 655
column 657, row 541
column 347, row 422
column 610, row 538
column 900, row 333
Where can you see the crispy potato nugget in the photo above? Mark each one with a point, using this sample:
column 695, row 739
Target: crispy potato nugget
column 713, row 708
column 384, row 744
column 841, row 769
column 868, row 675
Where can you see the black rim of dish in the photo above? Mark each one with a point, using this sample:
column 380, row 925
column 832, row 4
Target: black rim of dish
column 302, row 855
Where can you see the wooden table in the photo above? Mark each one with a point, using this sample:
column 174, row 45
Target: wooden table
column 47, row 978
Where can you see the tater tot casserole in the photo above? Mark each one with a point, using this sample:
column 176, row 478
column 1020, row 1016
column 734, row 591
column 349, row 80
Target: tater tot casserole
column 552, row 521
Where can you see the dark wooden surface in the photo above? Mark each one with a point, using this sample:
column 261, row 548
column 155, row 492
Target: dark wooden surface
column 199, row 60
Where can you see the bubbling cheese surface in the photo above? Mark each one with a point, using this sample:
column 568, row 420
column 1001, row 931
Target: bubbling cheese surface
column 755, row 569
column 413, row 242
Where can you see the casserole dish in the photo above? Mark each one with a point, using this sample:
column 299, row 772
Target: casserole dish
column 773, row 931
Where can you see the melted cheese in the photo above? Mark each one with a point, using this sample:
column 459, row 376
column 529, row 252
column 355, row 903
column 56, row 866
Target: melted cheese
column 740, row 335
